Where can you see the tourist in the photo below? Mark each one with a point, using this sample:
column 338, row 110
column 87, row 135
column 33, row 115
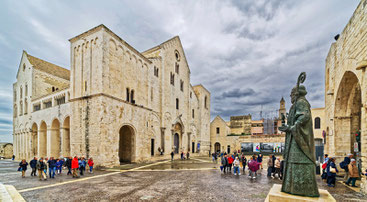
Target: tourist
column 23, row 167
column 68, row 165
column 353, row 173
column 45, row 170
column 331, row 171
column 13, row 157
column 172, row 154
column 230, row 162
column 41, row 166
column 59, row 166
column 213, row 159
column 260, row 160
column 326, row 160
column 344, row 165
column 253, row 166
column 90, row 164
column 244, row 161
column 188, row 155
column 273, row 158
column 224, row 162
column 182, row 155
column 75, row 166
column 33, row 164
column 277, row 167
column 236, row 167
column 270, row 165
column 51, row 167
column 82, row 165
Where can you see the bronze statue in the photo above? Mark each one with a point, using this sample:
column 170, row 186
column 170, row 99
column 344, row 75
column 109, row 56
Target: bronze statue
column 299, row 155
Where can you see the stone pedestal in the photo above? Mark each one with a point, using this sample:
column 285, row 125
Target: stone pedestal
column 363, row 185
column 275, row 195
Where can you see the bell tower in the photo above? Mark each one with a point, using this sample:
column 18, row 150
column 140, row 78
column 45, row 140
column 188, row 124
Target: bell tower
column 282, row 109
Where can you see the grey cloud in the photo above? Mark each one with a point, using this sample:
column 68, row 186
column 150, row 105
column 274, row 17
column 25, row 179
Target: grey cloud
column 237, row 93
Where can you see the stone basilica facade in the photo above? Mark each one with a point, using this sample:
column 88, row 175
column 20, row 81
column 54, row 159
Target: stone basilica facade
column 115, row 104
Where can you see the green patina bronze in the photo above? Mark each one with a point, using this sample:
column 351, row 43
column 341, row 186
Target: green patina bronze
column 299, row 156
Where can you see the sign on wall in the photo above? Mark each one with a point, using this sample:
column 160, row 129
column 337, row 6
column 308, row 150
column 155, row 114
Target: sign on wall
column 256, row 147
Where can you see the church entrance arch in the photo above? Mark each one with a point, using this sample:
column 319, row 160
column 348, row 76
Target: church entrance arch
column 176, row 142
column 347, row 120
column 126, row 144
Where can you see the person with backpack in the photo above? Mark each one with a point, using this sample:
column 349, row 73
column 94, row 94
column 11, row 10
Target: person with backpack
column 75, row 166
column 353, row 173
column 68, row 165
column 244, row 162
column 260, row 160
column 344, row 165
column 270, row 165
column 51, row 167
column 224, row 162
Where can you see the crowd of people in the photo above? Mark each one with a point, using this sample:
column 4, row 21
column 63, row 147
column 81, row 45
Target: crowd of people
column 55, row 166
column 254, row 164
column 349, row 165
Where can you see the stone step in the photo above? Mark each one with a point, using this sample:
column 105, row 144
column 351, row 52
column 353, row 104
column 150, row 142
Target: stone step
column 9, row 193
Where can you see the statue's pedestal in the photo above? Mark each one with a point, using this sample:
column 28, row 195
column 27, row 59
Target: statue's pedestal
column 275, row 195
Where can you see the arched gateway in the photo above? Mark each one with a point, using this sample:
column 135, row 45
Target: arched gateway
column 126, row 144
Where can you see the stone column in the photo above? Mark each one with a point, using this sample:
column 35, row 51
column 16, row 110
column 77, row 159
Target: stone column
column 62, row 142
column 162, row 139
column 38, row 144
column 15, row 149
column 26, row 145
column 21, row 145
column 48, row 148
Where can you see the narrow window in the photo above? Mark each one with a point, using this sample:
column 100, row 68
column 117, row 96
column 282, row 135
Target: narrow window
column 205, row 102
column 193, row 113
column 21, row 92
column 127, row 94
column 26, row 90
column 177, row 103
column 26, row 106
column 181, row 85
column 15, row 110
column 190, row 94
column 15, row 95
column 317, row 123
column 85, row 86
column 132, row 97
column 218, row 130
column 21, row 108
column 177, row 68
column 157, row 72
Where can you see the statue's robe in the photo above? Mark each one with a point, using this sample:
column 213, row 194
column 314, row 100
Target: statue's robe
column 299, row 174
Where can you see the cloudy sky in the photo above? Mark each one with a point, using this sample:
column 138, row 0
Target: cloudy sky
column 248, row 54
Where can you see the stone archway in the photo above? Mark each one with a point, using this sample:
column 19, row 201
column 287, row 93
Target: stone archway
column 347, row 119
column 66, row 137
column 126, row 144
column 55, row 142
column 34, row 140
column 42, row 140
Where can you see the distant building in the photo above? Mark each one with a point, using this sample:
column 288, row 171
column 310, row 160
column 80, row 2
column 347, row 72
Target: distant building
column 6, row 150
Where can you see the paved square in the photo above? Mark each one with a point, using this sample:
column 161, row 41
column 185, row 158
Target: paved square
column 197, row 179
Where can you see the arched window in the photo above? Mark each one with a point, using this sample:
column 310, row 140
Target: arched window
column 127, row 94
column 21, row 92
column 177, row 68
column 181, row 85
column 21, row 108
column 15, row 110
column 205, row 102
column 132, row 97
column 26, row 106
column 177, row 103
column 193, row 113
column 317, row 123
column 26, row 90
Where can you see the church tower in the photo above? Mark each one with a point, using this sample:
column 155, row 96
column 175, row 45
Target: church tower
column 282, row 109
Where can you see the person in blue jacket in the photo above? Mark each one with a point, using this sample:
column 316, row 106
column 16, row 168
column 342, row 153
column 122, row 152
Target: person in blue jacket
column 59, row 166
column 82, row 165
column 33, row 164
column 51, row 167
column 331, row 175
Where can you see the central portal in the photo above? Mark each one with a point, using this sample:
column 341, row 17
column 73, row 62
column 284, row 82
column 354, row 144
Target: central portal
column 126, row 144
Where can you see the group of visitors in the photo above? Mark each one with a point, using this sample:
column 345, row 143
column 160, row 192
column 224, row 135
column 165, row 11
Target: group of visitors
column 237, row 160
column 184, row 155
column 349, row 165
column 275, row 166
column 55, row 166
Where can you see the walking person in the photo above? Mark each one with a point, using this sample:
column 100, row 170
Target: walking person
column 277, row 167
column 353, row 173
column 270, row 165
column 13, row 157
column 224, row 162
column 68, row 165
column 82, row 165
column 253, row 167
column 236, row 166
column 41, row 166
column 33, row 164
column 230, row 161
column 172, row 154
column 90, row 164
column 281, row 168
column 344, row 165
column 23, row 167
column 51, row 167
column 331, row 171
column 188, row 155
column 244, row 162
column 75, row 166
column 260, row 160
column 59, row 166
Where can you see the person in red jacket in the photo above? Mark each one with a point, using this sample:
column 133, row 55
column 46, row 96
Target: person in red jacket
column 75, row 166
column 90, row 163
column 230, row 161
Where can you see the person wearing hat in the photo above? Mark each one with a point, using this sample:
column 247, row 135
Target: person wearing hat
column 353, row 173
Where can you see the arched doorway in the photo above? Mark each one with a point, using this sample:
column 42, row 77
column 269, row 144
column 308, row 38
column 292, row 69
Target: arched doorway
column 34, row 140
column 176, row 142
column 347, row 120
column 126, row 144
column 55, row 139
column 42, row 143
column 66, row 137
column 217, row 147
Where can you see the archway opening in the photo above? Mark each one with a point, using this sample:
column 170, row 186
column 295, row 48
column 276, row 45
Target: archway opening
column 217, row 147
column 126, row 144
column 55, row 139
column 34, row 140
column 66, row 137
column 176, row 142
column 42, row 143
column 347, row 120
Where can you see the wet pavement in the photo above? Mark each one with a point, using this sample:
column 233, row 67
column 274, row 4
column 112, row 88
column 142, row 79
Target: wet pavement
column 197, row 179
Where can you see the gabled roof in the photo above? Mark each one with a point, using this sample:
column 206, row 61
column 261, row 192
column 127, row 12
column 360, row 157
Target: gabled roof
column 220, row 119
column 282, row 100
column 48, row 67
